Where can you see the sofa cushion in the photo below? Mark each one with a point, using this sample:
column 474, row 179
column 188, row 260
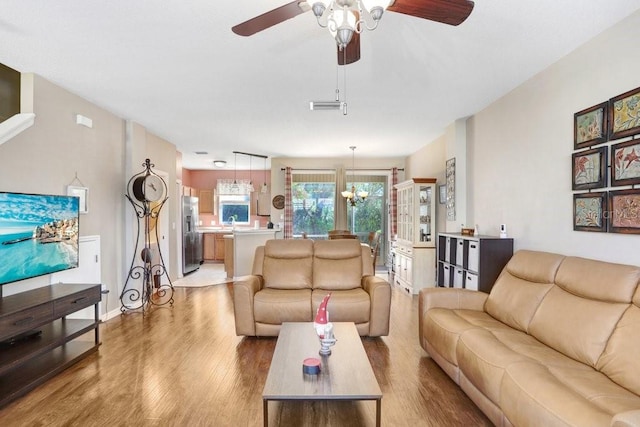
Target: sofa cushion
column 523, row 283
column 620, row 360
column 351, row 305
column 598, row 389
column 287, row 264
column 535, row 394
column 337, row 264
column 443, row 328
column 598, row 280
column 275, row 306
column 578, row 327
column 579, row 315
column 483, row 358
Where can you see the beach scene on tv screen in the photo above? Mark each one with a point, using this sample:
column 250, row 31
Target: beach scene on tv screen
column 38, row 235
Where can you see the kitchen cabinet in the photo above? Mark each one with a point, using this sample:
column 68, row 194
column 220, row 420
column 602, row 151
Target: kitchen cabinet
column 228, row 259
column 415, row 249
column 188, row 191
column 219, row 251
column 209, row 246
column 213, row 246
column 205, row 201
column 471, row 262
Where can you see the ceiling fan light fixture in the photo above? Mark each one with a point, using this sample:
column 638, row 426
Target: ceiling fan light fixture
column 318, row 7
column 376, row 13
column 370, row 5
column 368, row 14
column 343, row 36
column 342, row 24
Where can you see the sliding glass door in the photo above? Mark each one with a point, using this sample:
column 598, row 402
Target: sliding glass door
column 365, row 218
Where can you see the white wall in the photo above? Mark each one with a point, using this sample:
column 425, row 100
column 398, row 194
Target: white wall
column 519, row 149
column 46, row 157
column 429, row 162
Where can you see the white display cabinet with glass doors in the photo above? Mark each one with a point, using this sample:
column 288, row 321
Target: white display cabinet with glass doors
column 415, row 256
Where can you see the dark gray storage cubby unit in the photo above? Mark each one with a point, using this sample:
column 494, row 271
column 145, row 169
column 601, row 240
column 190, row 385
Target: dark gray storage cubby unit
column 37, row 340
column 472, row 262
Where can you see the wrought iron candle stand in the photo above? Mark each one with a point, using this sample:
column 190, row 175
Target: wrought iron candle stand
column 147, row 193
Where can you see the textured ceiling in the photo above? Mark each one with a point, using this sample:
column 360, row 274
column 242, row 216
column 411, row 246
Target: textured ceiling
column 176, row 68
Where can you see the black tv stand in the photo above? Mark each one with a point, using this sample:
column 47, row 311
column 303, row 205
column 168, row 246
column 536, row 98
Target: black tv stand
column 39, row 340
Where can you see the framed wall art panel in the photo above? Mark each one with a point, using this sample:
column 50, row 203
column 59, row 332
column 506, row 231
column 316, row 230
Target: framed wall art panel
column 83, row 194
column 450, row 172
column 625, row 163
column 624, row 114
column 624, row 211
column 589, row 169
column 590, row 126
column 589, row 211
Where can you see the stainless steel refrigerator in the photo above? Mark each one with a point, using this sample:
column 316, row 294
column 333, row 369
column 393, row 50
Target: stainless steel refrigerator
column 191, row 238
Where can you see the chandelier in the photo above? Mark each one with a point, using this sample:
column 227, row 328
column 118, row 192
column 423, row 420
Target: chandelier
column 352, row 196
column 344, row 17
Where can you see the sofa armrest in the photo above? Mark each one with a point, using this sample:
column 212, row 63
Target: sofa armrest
column 244, row 289
column 626, row 419
column 379, row 291
column 452, row 298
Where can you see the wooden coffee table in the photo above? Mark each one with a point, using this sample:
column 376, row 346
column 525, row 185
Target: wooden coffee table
column 345, row 375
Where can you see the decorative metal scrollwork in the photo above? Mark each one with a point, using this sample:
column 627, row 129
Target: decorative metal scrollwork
column 144, row 284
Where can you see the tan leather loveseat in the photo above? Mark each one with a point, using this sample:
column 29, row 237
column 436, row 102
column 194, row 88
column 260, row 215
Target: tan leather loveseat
column 555, row 343
column 291, row 277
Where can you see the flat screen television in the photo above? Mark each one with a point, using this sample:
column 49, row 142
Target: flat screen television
column 38, row 235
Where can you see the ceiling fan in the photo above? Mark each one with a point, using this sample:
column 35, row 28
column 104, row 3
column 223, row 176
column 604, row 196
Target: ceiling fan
column 451, row 12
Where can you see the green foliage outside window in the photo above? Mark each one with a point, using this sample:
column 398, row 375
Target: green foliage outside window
column 368, row 214
column 314, row 210
column 313, row 207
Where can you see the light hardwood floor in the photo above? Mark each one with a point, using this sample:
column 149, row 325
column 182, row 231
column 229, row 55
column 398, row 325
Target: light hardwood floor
column 184, row 366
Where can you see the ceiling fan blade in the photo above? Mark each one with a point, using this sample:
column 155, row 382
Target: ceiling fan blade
column 452, row 12
column 352, row 52
column 271, row 18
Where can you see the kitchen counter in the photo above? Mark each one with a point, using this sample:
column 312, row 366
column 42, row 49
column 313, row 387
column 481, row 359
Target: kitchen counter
column 215, row 230
column 229, row 230
column 243, row 246
column 219, row 244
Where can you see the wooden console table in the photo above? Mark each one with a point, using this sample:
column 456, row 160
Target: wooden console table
column 37, row 340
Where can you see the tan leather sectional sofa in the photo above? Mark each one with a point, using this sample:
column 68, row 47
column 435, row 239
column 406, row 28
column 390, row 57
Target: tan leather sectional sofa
column 291, row 277
column 555, row 343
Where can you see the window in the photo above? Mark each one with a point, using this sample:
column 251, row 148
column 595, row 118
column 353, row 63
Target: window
column 367, row 216
column 236, row 208
column 313, row 198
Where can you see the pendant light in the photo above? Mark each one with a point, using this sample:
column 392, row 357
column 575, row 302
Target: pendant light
column 250, row 188
column 265, row 188
column 352, row 196
column 235, row 188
